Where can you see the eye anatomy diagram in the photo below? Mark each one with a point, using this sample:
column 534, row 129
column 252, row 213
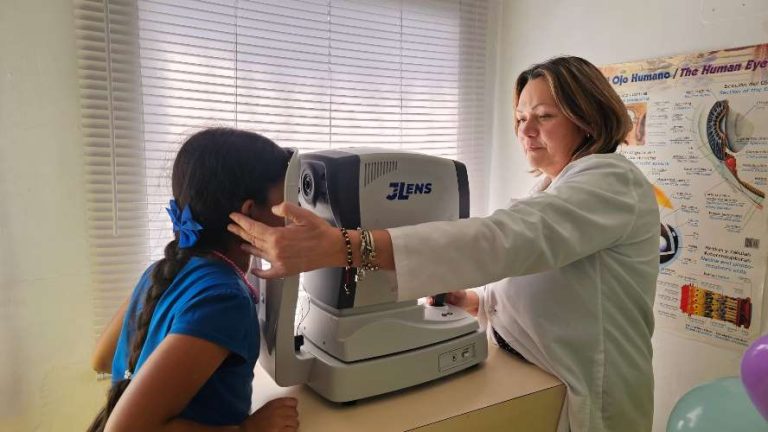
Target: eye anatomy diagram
column 699, row 133
column 636, row 112
column 669, row 244
column 725, row 131
column 669, row 239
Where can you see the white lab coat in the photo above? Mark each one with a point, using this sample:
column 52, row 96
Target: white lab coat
column 571, row 274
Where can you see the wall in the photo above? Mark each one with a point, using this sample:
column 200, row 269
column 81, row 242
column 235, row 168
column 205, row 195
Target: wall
column 607, row 32
column 46, row 331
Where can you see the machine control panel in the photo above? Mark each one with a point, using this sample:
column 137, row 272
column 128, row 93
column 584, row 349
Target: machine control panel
column 456, row 357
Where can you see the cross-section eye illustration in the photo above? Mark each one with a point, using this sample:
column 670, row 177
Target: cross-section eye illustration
column 722, row 126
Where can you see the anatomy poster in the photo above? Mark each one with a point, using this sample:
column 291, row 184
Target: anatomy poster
column 700, row 135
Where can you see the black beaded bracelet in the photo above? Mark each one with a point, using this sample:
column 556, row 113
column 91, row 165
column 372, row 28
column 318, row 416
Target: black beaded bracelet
column 348, row 268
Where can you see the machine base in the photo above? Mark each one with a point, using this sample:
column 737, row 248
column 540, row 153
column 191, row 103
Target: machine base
column 343, row 382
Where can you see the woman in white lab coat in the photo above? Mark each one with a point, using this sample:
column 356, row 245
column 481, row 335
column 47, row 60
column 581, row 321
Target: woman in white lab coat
column 569, row 271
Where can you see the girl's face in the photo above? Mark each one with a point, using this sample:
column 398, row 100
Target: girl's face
column 547, row 136
column 274, row 197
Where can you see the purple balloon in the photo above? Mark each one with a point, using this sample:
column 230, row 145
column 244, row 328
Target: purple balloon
column 754, row 374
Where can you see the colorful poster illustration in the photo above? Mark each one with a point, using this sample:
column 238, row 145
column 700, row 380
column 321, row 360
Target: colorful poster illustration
column 700, row 135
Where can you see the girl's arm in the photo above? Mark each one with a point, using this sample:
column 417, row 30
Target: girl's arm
column 171, row 377
column 104, row 352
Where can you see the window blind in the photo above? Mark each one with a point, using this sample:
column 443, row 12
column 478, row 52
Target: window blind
column 312, row 74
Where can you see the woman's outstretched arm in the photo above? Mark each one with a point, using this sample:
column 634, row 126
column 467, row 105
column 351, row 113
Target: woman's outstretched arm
column 307, row 243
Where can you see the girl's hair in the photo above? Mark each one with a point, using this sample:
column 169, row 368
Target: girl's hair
column 586, row 98
column 215, row 171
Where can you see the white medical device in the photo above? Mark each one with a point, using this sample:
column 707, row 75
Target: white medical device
column 357, row 340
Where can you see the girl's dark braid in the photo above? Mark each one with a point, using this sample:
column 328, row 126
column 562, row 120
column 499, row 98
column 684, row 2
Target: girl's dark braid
column 163, row 274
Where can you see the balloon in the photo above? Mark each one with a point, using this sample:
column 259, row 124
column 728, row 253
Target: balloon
column 718, row 406
column 754, row 374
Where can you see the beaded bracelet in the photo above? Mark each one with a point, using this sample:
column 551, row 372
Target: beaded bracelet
column 348, row 267
column 363, row 248
column 367, row 253
column 370, row 251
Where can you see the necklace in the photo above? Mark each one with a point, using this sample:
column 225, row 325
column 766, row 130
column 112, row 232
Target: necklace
column 254, row 291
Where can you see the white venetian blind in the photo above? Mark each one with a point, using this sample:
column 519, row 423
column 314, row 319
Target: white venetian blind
column 312, row 74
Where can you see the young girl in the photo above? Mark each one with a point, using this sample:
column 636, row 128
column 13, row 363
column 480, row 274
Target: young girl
column 189, row 335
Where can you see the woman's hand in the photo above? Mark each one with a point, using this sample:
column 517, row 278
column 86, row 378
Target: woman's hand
column 307, row 243
column 465, row 299
column 277, row 415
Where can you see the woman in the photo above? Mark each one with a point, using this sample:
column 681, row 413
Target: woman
column 571, row 269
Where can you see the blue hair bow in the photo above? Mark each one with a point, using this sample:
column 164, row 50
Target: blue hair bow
column 184, row 223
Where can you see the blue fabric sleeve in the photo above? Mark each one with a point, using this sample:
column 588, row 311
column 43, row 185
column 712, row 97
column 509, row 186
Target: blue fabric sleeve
column 218, row 316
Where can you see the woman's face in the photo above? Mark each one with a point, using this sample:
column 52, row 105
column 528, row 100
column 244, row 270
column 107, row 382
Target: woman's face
column 547, row 136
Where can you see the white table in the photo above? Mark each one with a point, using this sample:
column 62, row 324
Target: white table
column 503, row 393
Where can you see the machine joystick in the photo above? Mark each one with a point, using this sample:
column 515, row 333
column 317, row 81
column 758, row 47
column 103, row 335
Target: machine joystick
column 438, row 300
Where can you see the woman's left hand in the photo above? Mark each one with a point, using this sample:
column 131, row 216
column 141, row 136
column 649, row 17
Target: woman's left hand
column 307, row 243
column 465, row 299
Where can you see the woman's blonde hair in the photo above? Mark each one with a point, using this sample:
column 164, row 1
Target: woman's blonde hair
column 585, row 97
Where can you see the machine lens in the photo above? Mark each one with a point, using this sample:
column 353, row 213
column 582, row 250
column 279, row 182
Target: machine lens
column 308, row 186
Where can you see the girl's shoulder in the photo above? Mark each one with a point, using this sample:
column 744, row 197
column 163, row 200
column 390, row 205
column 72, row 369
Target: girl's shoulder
column 200, row 280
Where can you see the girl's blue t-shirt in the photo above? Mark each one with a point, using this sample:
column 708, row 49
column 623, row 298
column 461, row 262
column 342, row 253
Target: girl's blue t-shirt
column 208, row 300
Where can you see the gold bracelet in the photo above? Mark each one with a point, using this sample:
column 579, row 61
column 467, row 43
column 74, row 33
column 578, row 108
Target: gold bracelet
column 367, row 251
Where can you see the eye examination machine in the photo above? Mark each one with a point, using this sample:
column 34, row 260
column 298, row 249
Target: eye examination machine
column 354, row 340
